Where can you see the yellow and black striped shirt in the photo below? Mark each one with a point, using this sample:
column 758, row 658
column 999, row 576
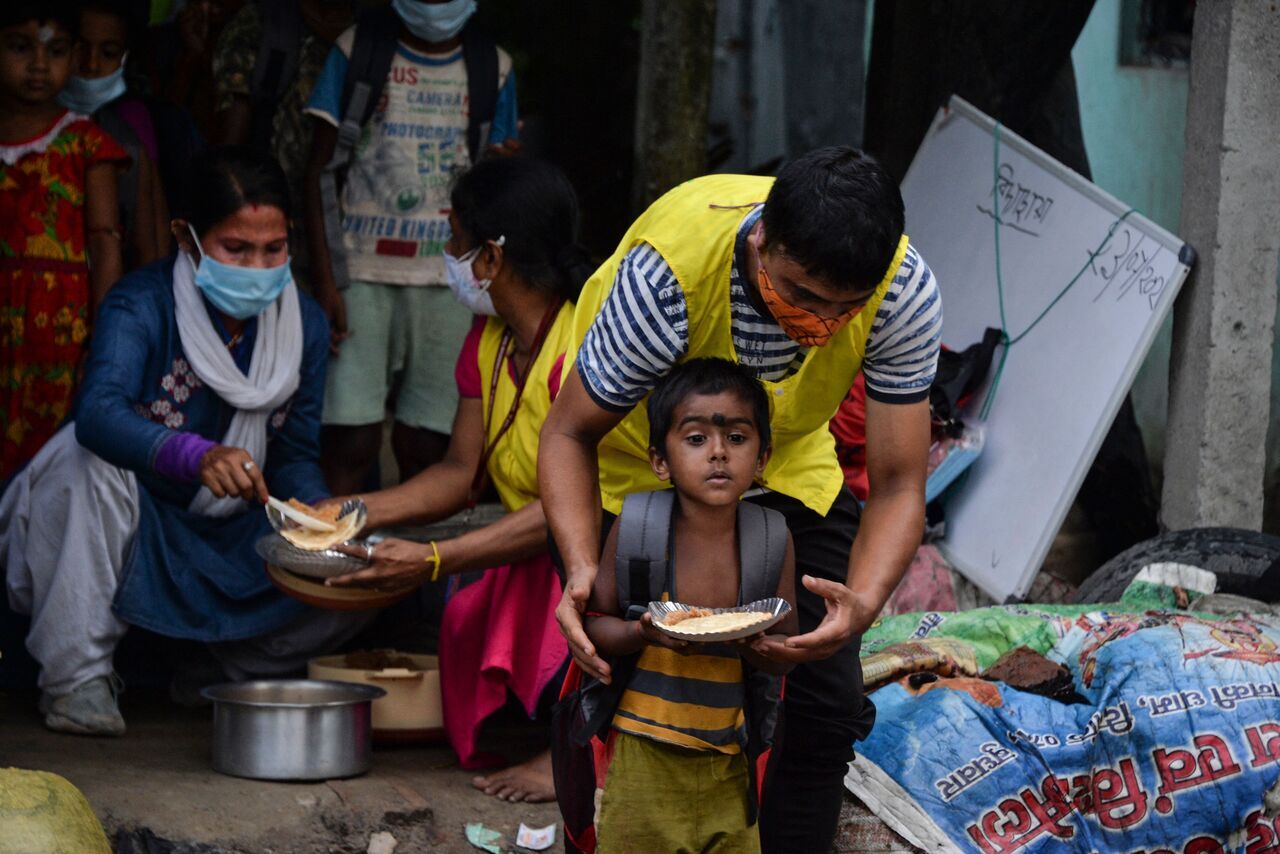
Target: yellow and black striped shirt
column 691, row 700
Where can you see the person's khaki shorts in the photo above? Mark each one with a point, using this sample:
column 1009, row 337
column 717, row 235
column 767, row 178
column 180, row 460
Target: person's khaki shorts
column 405, row 337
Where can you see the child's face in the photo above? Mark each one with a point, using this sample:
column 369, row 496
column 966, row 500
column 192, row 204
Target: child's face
column 101, row 48
column 35, row 61
column 713, row 449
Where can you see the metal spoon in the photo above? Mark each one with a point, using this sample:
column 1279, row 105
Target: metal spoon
column 278, row 511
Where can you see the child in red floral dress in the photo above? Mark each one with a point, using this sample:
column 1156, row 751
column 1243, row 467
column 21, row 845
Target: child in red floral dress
column 59, row 228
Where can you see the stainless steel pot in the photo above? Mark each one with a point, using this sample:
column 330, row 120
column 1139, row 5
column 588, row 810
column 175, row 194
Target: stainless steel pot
column 292, row 729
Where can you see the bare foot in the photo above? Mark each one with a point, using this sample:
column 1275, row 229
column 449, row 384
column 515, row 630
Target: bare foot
column 529, row 782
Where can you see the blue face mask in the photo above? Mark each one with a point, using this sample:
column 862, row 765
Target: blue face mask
column 88, row 95
column 240, row 292
column 434, row 22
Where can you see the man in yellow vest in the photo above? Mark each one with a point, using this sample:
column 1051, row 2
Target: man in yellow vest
column 806, row 280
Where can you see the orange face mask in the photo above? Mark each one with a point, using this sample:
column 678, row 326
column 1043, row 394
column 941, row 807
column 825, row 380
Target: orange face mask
column 803, row 327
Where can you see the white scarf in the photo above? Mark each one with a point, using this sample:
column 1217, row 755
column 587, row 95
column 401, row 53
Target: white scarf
column 274, row 370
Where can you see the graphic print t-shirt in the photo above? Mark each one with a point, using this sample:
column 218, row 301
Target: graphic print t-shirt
column 395, row 202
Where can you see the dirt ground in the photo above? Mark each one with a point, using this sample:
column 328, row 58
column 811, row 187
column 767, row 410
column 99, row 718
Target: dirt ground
column 157, row 777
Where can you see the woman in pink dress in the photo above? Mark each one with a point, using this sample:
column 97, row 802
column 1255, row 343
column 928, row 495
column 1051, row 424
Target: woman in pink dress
column 514, row 261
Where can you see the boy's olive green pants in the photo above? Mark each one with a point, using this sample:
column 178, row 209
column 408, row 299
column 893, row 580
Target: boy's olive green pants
column 659, row 797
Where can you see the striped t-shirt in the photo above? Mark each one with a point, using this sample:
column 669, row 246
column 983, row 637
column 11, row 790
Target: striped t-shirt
column 642, row 331
column 694, row 700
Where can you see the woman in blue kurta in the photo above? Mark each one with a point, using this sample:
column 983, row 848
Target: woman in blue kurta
column 202, row 392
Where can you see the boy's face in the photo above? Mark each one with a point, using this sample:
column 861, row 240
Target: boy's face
column 713, row 449
column 35, row 61
column 101, row 48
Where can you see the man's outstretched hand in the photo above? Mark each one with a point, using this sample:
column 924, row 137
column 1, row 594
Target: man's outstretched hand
column 844, row 619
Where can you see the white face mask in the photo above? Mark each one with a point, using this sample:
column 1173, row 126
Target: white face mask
column 87, row 95
column 473, row 293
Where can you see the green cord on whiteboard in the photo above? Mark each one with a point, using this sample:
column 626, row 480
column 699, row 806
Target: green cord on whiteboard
column 1007, row 341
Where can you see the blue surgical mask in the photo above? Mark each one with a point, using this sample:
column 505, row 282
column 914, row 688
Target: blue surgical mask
column 473, row 293
column 88, row 95
column 240, row 292
column 434, row 22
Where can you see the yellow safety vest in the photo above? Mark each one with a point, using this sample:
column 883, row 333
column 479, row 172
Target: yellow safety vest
column 513, row 465
column 694, row 227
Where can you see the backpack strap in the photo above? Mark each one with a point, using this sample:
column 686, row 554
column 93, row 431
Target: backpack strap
column 643, row 558
column 276, row 64
column 373, row 49
column 762, row 548
column 480, row 54
column 644, row 533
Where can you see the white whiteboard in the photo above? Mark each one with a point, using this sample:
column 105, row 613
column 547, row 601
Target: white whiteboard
column 1063, row 384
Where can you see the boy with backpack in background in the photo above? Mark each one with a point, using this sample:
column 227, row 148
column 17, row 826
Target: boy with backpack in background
column 409, row 95
column 684, row 725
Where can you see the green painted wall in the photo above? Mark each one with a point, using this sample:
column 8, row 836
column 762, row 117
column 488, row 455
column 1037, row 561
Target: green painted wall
column 1134, row 120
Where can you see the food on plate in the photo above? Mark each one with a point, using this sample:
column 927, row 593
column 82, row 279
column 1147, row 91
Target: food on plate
column 699, row 621
column 328, row 513
column 680, row 616
column 345, row 527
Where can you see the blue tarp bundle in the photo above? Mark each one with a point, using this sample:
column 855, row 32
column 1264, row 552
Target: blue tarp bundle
column 1173, row 752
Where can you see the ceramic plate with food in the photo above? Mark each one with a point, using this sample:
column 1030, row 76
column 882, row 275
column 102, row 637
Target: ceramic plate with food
column 708, row 625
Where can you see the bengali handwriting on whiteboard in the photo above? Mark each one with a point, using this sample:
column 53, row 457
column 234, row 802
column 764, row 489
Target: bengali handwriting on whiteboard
column 1125, row 266
column 1016, row 205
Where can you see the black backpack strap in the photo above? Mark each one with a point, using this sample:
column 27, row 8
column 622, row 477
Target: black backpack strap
column 372, row 50
column 762, row 548
column 276, row 64
column 644, row 534
column 480, row 55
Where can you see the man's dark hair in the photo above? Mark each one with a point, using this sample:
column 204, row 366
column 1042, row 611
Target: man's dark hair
column 705, row 376
column 837, row 213
column 15, row 13
column 223, row 180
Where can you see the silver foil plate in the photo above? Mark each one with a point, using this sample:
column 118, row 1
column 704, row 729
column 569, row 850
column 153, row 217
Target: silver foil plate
column 774, row 605
column 278, row 551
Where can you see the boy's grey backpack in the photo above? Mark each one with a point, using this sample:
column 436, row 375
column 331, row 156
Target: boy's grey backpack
column 644, row 550
column 586, row 708
column 643, row 566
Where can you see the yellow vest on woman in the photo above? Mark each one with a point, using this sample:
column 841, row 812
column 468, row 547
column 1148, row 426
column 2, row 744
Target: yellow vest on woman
column 694, row 227
column 513, row 465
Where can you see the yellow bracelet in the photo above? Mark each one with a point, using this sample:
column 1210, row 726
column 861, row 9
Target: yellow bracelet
column 435, row 557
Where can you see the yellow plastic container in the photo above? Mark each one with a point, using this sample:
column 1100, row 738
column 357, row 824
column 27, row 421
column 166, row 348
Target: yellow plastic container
column 411, row 710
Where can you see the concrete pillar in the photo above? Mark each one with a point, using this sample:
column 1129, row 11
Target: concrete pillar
column 1220, row 372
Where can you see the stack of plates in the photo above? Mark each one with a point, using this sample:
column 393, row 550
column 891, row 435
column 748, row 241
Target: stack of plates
column 301, row 573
